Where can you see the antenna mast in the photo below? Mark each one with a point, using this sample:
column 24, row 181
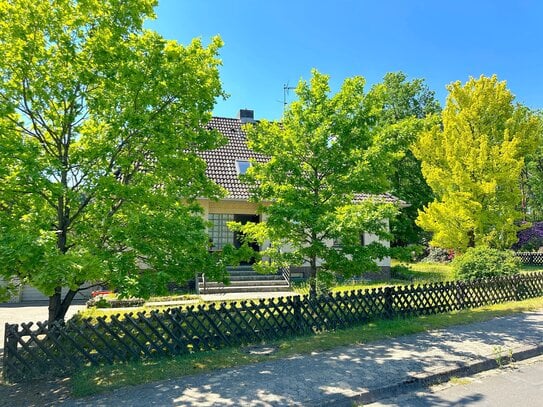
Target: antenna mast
column 286, row 88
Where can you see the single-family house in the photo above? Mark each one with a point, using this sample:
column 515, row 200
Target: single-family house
column 224, row 166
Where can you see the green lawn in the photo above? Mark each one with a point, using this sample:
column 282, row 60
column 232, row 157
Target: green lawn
column 418, row 273
column 531, row 269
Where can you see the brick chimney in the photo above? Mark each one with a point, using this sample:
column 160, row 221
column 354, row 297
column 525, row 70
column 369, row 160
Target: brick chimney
column 246, row 116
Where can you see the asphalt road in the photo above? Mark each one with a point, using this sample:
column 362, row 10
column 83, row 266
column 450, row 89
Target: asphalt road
column 518, row 385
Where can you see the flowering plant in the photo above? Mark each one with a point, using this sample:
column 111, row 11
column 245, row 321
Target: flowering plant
column 530, row 239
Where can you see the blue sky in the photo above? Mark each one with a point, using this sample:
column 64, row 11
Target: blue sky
column 275, row 42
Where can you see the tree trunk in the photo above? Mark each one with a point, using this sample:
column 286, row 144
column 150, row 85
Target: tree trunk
column 471, row 238
column 58, row 306
column 313, row 278
column 54, row 305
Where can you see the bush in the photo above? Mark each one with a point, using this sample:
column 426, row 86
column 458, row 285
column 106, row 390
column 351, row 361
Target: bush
column 438, row 255
column 401, row 272
column 484, row 262
column 103, row 301
column 530, row 239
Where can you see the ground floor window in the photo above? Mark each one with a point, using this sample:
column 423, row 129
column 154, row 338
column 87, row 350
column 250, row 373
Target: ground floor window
column 337, row 242
column 219, row 233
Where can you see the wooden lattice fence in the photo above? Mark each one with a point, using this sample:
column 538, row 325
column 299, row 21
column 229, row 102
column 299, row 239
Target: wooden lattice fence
column 530, row 258
column 36, row 350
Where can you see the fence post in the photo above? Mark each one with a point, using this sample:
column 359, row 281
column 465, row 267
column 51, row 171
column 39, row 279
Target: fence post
column 197, row 283
column 297, row 309
column 459, row 296
column 517, row 283
column 389, row 309
column 10, row 347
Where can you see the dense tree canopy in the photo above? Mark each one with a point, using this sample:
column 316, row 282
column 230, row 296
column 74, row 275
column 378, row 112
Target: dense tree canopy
column 406, row 105
column 322, row 154
column 473, row 163
column 100, row 123
column 532, row 184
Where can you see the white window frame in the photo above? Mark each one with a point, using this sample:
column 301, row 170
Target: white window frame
column 239, row 168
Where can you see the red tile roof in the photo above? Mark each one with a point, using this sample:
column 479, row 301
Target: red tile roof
column 221, row 162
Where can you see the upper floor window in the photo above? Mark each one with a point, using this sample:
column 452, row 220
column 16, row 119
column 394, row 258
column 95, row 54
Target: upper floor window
column 242, row 166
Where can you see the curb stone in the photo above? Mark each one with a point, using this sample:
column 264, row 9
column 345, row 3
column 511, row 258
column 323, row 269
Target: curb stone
column 417, row 381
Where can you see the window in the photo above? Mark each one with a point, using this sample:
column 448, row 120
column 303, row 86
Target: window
column 219, row 233
column 242, row 166
column 337, row 242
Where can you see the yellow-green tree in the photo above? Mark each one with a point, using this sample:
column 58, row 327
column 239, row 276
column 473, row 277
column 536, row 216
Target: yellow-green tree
column 473, row 162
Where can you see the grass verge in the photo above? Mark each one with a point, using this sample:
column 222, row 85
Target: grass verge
column 94, row 380
column 415, row 273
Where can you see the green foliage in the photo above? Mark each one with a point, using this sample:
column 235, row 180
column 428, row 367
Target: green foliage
column 101, row 122
column 438, row 255
column 473, row 163
column 99, row 302
column 323, row 153
column 532, row 245
column 401, row 272
column 532, row 183
column 406, row 105
column 484, row 262
column 102, row 301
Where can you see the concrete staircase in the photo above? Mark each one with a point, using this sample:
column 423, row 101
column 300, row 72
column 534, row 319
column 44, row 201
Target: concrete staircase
column 243, row 279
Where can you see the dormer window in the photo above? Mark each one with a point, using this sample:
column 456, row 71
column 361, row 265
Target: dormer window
column 242, row 166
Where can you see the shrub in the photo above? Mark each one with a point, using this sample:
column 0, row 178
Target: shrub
column 102, row 301
column 530, row 239
column 98, row 301
column 438, row 255
column 484, row 262
column 401, row 272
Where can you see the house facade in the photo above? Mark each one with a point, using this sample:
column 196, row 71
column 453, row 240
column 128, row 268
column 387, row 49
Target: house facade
column 225, row 165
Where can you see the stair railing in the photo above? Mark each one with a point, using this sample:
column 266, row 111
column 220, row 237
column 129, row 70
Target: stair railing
column 285, row 272
column 197, row 283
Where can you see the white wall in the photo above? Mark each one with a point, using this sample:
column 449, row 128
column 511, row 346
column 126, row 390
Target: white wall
column 368, row 238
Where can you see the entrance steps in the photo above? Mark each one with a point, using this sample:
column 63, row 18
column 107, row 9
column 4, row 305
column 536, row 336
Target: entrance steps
column 243, row 279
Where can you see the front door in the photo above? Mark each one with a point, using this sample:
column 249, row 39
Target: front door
column 238, row 236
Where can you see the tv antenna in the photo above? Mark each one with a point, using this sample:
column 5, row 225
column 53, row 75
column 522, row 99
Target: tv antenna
column 286, row 89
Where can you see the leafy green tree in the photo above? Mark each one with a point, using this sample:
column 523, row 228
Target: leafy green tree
column 532, row 184
column 100, row 125
column 473, row 164
column 322, row 154
column 405, row 107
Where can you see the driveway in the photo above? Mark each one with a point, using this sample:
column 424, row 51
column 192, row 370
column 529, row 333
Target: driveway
column 19, row 313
